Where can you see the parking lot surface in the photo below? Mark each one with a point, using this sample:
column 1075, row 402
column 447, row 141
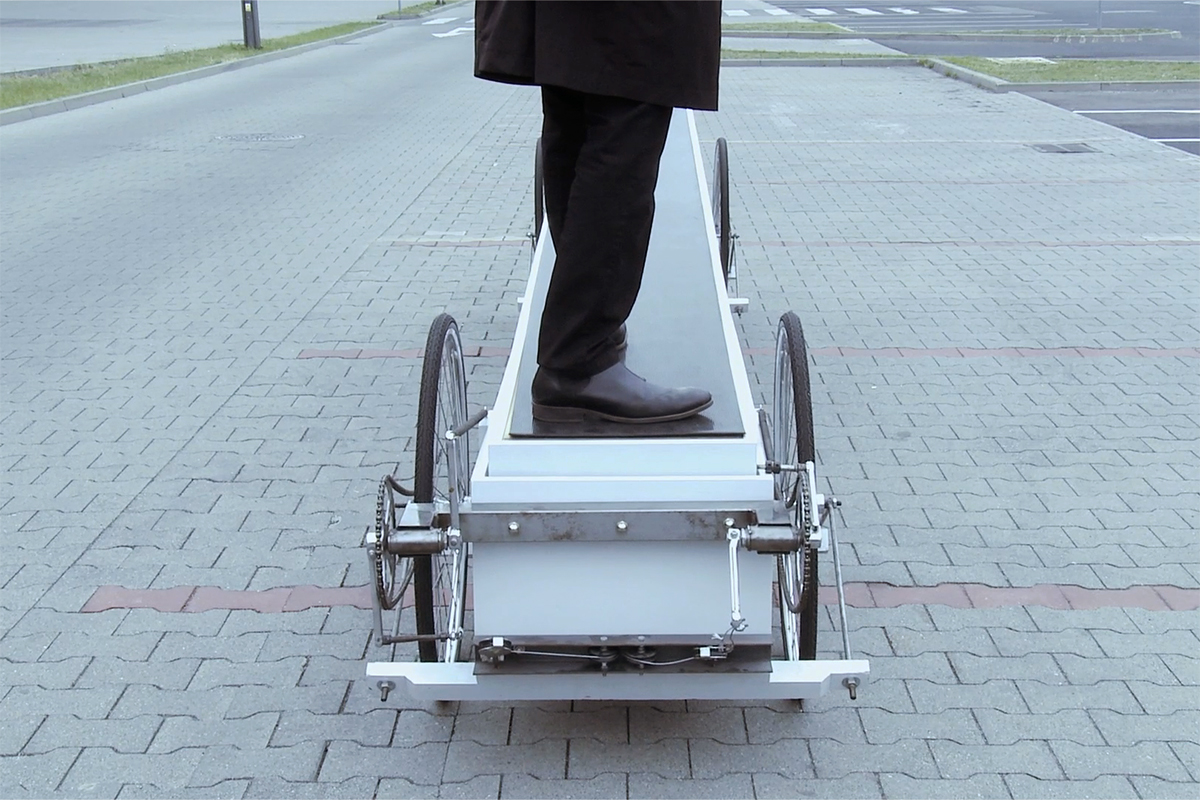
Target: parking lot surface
column 214, row 297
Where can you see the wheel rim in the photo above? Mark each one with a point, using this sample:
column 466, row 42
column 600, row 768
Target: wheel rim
column 449, row 568
column 792, row 444
column 791, row 583
column 784, row 444
column 447, row 571
column 720, row 200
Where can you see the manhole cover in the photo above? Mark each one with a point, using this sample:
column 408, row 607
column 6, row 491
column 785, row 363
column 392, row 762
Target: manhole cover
column 260, row 137
column 1069, row 147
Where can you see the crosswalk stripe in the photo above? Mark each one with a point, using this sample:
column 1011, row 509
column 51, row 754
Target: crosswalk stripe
column 821, row 12
column 736, row 12
column 904, row 11
column 865, row 12
column 778, row 12
column 949, row 10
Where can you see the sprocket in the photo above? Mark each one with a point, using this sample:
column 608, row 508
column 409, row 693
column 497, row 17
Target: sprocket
column 393, row 573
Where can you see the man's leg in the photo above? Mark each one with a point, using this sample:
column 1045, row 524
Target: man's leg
column 603, row 221
column 563, row 130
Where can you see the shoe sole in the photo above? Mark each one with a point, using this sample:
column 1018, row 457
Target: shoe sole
column 544, row 413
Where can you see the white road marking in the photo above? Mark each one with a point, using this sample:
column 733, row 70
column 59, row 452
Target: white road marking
column 440, row 21
column 1139, row 111
column 736, row 12
column 949, row 10
column 778, row 12
column 865, row 12
column 1177, row 141
column 904, row 11
column 455, row 32
column 821, row 12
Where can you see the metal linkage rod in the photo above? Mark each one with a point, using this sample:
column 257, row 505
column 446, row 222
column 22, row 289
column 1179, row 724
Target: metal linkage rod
column 837, row 574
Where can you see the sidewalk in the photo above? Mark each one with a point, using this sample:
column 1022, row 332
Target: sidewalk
column 213, row 300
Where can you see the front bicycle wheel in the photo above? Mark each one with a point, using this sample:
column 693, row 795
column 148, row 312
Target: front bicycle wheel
column 440, row 581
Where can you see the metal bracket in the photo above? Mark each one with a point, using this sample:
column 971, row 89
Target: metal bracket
column 736, row 621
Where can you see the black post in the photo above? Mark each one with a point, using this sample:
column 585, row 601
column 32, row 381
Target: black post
column 250, row 24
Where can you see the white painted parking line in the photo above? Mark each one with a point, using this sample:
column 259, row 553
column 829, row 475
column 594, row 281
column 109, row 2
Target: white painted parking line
column 904, row 11
column 1139, row 111
column 865, row 12
column 949, row 10
column 736, row 12
column 821, row 12
column 778, row 12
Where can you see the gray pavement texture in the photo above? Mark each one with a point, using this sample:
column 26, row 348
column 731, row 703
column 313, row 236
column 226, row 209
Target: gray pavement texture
column 162, row 271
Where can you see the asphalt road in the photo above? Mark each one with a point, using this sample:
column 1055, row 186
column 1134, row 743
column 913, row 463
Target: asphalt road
column 983, row 16
column 1171, row 115
column 1168, row 115
column 35, row 34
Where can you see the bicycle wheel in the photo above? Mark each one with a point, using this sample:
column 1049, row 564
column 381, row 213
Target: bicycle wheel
column 792, row 443
column 440, row 581
column 720, row 201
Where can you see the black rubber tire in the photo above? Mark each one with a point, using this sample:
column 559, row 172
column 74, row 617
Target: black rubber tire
column 791, row 348
column 539, row 191
column 720, row 201
column 424, row 480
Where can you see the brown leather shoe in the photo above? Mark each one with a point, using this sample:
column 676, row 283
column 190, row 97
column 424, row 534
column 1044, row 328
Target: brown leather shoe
column 616, row 395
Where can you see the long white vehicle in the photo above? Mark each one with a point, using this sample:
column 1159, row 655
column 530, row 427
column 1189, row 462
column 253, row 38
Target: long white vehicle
column 604, row 561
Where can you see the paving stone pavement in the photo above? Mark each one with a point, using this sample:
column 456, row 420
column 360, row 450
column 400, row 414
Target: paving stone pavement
column 163, row 272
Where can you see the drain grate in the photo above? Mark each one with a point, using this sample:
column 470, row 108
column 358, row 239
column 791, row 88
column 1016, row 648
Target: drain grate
column 260, row 137
column 1069, row 147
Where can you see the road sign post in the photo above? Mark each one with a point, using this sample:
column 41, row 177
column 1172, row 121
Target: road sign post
column 250, row 32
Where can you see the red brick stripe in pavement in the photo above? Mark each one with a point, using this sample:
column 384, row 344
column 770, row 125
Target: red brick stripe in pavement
column 191, row 599
column 844, row 352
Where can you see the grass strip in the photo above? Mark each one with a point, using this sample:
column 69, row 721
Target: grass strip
column 1080, row 69
column 20, row 90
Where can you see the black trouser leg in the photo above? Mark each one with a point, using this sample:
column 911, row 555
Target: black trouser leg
column 600, row 160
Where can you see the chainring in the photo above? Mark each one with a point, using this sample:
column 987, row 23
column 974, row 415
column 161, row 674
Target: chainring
column 390, row 584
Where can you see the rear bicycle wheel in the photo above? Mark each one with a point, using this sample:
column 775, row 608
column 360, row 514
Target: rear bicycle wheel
column 792, row 443
column 440, row 581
